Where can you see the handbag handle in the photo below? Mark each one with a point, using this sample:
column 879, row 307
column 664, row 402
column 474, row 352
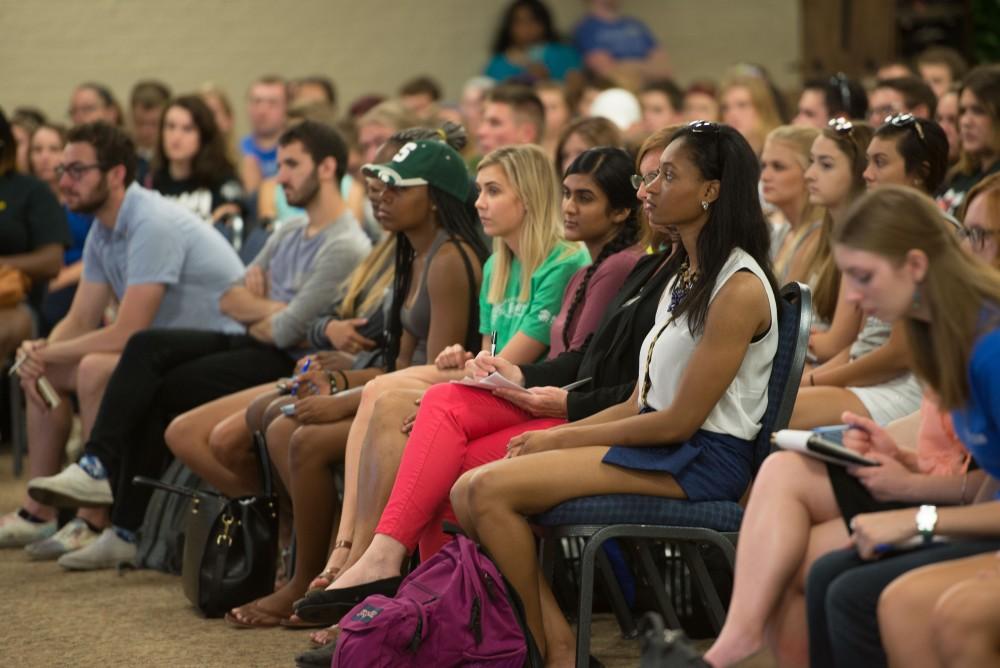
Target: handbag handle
column 167, row 487
column 263, row 461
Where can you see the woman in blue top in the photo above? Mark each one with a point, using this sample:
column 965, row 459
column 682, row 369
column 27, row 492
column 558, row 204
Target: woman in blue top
column 527, row 44
column 902, row 261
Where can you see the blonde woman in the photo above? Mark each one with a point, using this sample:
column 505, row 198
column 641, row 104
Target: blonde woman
column 748, row 105
column 783, row 185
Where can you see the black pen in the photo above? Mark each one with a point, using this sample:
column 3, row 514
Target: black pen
column 493, row 344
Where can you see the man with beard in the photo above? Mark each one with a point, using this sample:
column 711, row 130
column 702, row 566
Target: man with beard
column 160, row 264
column 165, row 372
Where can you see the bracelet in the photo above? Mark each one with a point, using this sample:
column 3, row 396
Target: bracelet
column 347, row 382
column 333, row 382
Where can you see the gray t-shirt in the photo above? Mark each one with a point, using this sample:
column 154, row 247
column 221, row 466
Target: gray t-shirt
column 158, row 241
column 306, row 273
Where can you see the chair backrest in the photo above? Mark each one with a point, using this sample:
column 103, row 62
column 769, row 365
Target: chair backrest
column 794, row 320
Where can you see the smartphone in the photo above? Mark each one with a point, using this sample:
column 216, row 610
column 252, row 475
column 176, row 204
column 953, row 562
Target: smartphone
column 834, row 433
column 288, row 410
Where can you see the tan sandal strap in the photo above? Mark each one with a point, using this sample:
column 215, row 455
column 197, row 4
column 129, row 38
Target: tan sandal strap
column 343, row 544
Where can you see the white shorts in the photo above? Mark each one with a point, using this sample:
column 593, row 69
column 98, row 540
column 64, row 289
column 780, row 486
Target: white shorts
column 892, row 400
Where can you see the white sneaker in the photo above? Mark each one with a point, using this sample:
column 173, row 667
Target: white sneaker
column 71, row 488
column 75, row 535
column 15, row 531
column 106, row 552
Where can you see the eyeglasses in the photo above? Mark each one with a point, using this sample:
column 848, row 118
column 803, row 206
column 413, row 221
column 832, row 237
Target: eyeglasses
column 74, row 170
column 840, row 81
column 841, row 126
column 639, row 180
column 905, row 121
column 977, row 236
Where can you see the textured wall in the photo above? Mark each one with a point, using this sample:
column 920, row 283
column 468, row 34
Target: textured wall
column 49, row 45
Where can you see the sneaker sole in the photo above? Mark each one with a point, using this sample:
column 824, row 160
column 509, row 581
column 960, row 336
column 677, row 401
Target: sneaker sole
column 55, row 499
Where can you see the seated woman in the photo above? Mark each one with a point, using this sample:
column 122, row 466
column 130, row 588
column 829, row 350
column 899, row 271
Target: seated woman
column 871, row 376
column 904, row 262
column 818, row 501
column 783, row 185
column 686, row 432
column 459, row 427
column 423, row 201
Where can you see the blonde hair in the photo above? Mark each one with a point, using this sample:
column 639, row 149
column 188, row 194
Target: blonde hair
column 657, row 141
column 827, row 287
column 800, row 140
column 891, row 222
column 989, row 188
column 369, row 280
column 768, row 116
column 391, row 114
column 534, row 180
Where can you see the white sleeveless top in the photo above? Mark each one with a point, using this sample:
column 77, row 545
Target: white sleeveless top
column 740, row 409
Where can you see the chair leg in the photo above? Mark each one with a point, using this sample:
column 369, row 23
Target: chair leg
column 656, row 582
column 710, row 596
column 18, row 428
column 626, row 622
column 588, row 562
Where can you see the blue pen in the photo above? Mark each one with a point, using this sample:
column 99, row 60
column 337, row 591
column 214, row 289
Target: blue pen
column 305, row 367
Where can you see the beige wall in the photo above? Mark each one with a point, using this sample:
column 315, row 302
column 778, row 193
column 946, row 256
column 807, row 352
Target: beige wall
column 49, row 45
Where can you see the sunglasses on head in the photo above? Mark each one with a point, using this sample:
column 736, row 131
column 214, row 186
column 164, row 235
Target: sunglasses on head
column 703, row 127
column 841, row 126
column 905, row 121
column 840, row 81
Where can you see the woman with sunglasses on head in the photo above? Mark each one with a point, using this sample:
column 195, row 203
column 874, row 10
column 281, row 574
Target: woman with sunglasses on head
column 686, row 431
column 902, row 262
column 865, row 366
column 979, row 131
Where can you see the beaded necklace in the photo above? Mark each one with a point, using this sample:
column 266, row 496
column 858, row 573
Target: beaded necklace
column 685, row 281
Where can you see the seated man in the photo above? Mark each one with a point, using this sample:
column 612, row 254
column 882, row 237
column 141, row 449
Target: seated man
column 267, row 109
column 163, row 373
column 904, row 95
column 161, row 265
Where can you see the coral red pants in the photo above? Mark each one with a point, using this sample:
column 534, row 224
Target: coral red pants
column 457, row 429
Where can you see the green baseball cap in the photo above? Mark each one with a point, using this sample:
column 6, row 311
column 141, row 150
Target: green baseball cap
column 424, row 162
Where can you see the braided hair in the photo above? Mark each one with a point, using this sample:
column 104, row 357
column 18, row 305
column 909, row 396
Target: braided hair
column 459, row 219
column 611, row 169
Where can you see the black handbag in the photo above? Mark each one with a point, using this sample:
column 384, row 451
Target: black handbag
column 230, row 545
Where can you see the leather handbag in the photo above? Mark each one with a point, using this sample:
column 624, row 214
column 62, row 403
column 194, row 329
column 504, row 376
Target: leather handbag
column 14, row 285
column 230, row 545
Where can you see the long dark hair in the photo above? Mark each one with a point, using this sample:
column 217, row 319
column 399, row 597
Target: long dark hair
column 540, row 13
column 611, row 169
column 210, row 166
column 458, row 219
column 735, row 219
column 924, row 150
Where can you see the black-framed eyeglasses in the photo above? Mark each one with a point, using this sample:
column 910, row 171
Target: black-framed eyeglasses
column 74, row 170
column 905, row 121
column 840, row 81
column 647, row 179
column 841, row 126
column 976, row 236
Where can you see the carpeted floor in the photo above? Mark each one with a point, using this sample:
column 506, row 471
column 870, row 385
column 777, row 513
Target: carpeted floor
column 101, row 619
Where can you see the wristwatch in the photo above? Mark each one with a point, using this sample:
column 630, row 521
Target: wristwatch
column 927, row 517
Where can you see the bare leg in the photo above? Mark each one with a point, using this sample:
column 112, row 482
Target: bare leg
column 771, row 553
column 310, row 452
column 48, row 430
column 820, row 406
column 906, row 607
column 255, row 411
column 92, row 378
column 188, row 438
column 15, row 327
column 966, row 620
column 499, row 496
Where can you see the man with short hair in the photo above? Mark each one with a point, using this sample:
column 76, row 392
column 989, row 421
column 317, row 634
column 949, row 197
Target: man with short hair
column 824, row 99
column 662, row 102
column 267, row 107
column 148, row 100
column 903, row 95
column 420, row 96
column 941, row 67
column 163, row 267
column 163, row 373
column 513, row 115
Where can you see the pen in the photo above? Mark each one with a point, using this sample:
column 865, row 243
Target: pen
column 295, row 385
column 493, row 344
column 16, row 365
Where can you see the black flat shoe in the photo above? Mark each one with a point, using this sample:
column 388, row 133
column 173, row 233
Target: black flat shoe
column 320, row 657
column 329, row 606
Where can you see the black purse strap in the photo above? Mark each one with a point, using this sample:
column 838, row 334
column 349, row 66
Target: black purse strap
column 264, row 462
column 167, row 487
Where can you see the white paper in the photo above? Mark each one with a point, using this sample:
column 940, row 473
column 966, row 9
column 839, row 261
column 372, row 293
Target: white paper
column 491, row 382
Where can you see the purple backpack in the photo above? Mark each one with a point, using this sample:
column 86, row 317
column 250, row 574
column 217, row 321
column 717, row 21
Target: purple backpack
column 455, row 609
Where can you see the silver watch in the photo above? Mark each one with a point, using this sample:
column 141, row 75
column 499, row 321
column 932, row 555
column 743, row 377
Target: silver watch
column 927, row 517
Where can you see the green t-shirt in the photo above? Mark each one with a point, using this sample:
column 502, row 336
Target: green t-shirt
column 533, row 317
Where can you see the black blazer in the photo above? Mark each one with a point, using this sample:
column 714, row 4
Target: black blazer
column 611, row 354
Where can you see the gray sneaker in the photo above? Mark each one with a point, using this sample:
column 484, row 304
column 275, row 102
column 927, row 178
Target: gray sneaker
column 71, row 488
column 15, row 531
column 73, row 536
column 106, row 552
